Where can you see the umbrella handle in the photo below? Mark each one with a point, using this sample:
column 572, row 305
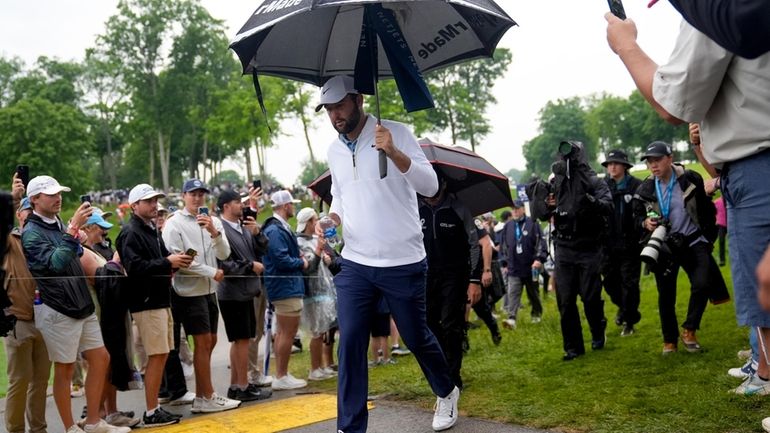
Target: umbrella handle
column 383, row 159
column 383, row 164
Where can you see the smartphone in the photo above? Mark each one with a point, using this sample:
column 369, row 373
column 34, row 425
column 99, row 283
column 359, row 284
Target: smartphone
column 616, row 7
column 85, row 199
column 23, row 173
column 203, row 210
column 249, row 213
column 191, row 252
column 257, row 183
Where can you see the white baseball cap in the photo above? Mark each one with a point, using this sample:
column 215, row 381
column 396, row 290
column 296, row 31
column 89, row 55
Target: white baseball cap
column 143, row 191
column 45, row 185
column 303, row 217
column 335, row 90
column 281, row 198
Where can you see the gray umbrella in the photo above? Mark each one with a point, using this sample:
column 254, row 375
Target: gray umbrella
column 314, row 40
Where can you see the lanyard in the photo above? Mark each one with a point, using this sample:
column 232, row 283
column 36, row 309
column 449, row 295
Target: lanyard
column 665, row 201
column 518, row 231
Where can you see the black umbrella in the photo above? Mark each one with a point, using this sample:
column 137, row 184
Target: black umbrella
column 476, row 183
column 314, row 40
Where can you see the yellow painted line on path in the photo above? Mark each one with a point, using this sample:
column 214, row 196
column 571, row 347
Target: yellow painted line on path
column 270, row 417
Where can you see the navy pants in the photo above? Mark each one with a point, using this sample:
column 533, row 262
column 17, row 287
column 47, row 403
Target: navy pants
column 358, row 289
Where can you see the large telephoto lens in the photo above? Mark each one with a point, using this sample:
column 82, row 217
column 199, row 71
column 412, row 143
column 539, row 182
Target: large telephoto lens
column 651, row 251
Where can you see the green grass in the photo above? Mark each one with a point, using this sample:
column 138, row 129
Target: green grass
column 627, row 387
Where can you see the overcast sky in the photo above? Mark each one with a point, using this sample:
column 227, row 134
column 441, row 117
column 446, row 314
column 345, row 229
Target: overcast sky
column 559, row 50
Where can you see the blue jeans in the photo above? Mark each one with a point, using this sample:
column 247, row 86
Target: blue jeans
column 745, row 188
column 359, row 288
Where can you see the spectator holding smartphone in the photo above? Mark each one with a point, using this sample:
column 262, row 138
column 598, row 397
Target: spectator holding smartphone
column 65, row 313
column 149, row 266
column 195, row 287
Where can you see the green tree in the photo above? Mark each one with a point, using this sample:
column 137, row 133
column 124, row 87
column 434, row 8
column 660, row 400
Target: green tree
column 517, row 175
column 10, row 69
column 562, row 120
column 628, row 123
column 52, row 138
column 227, row 176
column 200, row 65
column 238, row 125
column 299, row 104
column 134, row 38
column 50, row 79
column 108, row 106
column 463, row 93
column 311, row 170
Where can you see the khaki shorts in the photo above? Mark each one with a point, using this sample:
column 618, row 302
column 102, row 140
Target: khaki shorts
column 156, row 329
column 64, row 336
column 291, row 307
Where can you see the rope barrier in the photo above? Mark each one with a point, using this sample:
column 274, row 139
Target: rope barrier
column 95, row 277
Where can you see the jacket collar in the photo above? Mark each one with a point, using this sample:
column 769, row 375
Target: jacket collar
column 368, row 130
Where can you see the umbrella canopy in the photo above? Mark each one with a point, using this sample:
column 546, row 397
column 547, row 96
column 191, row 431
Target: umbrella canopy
column 476, row 183
column 314, row 40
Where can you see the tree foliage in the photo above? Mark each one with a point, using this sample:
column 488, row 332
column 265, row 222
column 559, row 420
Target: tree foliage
column 562, row 120
column 311, row 170
column 602, row 122
column 51, row 137
column 462, row 94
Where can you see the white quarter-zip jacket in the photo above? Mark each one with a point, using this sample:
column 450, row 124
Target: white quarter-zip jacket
column 380, row 218
column 183, row 232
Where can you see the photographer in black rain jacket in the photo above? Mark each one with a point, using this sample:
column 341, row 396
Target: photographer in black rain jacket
column 622, row 264
column 581, row 204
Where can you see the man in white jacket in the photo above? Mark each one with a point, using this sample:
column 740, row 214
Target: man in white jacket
column 384, row 256
column 194, row 302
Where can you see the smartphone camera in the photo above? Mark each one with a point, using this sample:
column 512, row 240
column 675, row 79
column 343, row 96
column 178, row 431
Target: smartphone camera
column 22, row 171
column 85, row 199
column 202, row 211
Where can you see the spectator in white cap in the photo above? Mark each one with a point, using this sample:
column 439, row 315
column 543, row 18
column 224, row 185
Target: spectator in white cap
column 283, row 283
column 64, row 313
column 149, row 266
column 319, row 311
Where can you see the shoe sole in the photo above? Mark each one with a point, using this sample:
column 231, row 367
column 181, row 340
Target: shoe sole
column 214, row 410
column 320, row 379
column 160, row 424
column 289, row 388
column 179, row 403
column 129, row 425
column 446, row 427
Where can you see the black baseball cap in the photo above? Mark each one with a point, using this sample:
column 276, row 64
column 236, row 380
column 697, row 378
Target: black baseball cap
column 656, row 149
column 517, row 203
column 193, row 185
column 227, row 196
column 617, row 156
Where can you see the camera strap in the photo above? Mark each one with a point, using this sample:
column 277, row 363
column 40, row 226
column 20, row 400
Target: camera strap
column 665, row 200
